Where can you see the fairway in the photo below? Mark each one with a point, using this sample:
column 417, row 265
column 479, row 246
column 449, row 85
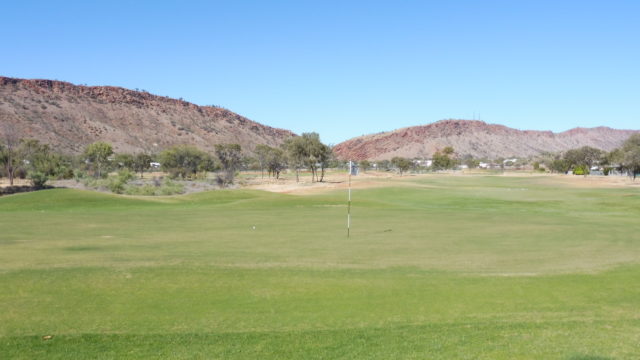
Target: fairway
column 437, row 267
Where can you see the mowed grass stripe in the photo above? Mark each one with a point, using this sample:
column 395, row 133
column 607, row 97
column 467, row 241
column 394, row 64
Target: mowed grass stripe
column 182, row 299
column 566, row 340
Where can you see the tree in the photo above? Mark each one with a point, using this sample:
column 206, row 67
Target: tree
column 39, row 162
column 632, row 142
column 536, row 166
column 324, row 155
column 470, row 161
column 9, row 157
column 307, row 150
column 631, row 158
column 500, row 161
column 443, row 160
column 97, row 156
column 276, row 161
column 403, row 164
column 262, row 153
column 559, row 165
column 141, row 162
column 312, row 153
column 124, row 161
column 583, row 158
column 632, row 162
column 614, row 158
column 230, row 156
column 448, row 150
column 185, row 161
column 296, row 153
column 364, row 165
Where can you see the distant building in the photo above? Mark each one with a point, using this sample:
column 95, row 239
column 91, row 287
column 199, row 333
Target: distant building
column 424, row 163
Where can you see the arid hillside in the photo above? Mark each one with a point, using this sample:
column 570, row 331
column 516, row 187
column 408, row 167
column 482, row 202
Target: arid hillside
column 476, row 138
column 69, row 116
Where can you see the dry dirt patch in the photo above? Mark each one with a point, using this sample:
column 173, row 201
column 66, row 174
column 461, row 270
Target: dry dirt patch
column 337, row 181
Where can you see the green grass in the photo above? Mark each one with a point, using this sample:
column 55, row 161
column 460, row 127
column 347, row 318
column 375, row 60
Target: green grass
column 438, row 267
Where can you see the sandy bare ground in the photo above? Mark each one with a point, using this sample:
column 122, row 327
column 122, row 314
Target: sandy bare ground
column 339, row 180
column 4, row 182
column 332, row 181
column 593, row 181
column 372, row 179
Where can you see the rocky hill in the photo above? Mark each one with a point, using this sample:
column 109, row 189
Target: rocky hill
column 69, row 117
column 476, row 138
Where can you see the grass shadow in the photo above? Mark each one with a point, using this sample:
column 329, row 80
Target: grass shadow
column 589, row 357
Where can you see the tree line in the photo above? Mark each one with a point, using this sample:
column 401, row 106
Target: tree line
column 580, row 161
column 38, row 162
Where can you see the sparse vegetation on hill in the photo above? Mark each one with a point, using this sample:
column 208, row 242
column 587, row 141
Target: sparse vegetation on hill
column 69, row 117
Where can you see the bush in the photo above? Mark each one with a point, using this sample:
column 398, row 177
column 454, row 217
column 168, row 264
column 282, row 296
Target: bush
column 171, row 188
column 580, row 170
column 79, row 175
column 126, row 175
column 66, row 173
column 115, row 186
column 145, row 190
column 38, row 179
column 166, row 187
column 117, row 183
column 90, row 182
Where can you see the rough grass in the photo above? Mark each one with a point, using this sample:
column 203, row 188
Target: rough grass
column 446, row 268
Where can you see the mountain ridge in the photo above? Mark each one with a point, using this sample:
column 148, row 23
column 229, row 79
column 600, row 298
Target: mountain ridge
column 69, row 116
column 476, row 138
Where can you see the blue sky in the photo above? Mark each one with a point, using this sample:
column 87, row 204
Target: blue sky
column 347, row 68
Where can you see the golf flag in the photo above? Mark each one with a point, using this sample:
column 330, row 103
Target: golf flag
column 353, row 168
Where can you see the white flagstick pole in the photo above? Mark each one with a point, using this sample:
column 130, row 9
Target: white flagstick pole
column 349, row 205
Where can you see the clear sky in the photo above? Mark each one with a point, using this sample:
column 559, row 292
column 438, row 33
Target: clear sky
column 347, row 68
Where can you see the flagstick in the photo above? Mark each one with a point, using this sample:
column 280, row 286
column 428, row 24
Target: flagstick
column 349, row 205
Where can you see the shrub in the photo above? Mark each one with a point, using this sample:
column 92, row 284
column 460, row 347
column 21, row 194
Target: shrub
column 166, row 187
column 79, row 175
column 66, row 173
column 117, row 183
column 38, row 179
column 171, row 188
column 145, row 190
column 580, row 170
column 185, row 161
